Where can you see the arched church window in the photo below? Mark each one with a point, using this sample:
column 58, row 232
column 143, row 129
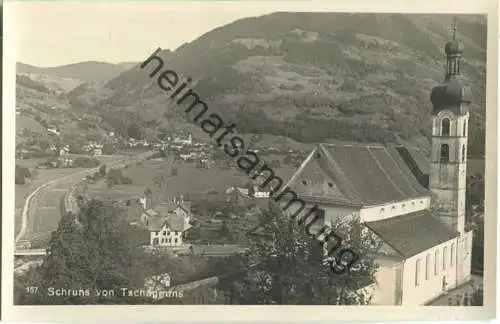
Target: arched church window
column 445, row 153
column 465, row 129
column 445, row 127
column 417, row 272
column 463, row 152
column 452, row 255
column 445, row 256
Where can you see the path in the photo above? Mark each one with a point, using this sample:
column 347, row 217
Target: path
column 55, row 189
column 466, row 288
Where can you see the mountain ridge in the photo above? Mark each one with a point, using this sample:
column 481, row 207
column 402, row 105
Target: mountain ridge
column 310, row 77
column 88, row 71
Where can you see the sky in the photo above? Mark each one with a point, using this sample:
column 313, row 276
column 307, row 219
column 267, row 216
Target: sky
column 54, row 33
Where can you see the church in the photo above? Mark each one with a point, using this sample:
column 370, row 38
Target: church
column 415, row 205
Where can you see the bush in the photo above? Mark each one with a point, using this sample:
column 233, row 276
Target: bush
column 126, row 180
column 102, row 170
column 115, row 177
column 108, row 149
column 84, row 162
column 19, row 179
column 23, row 172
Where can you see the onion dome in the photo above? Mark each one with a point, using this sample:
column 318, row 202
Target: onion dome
column 454, row 47
column 451, row 95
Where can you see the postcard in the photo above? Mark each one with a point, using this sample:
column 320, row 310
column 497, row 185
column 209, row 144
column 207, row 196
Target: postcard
column 258, row 160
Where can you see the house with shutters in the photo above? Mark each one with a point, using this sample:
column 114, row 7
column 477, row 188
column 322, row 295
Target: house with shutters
column 412, row 203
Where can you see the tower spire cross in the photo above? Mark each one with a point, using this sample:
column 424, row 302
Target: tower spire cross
column 454, row 29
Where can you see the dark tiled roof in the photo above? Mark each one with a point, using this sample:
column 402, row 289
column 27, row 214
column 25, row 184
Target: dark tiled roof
column 176, row 222
column 412, row 233
column 319, row 169
column 417, row 162
column 421, row 159
column 165, row 208
column 361, row 175
column 218, row 249
column 374, row 174
column 156, row 223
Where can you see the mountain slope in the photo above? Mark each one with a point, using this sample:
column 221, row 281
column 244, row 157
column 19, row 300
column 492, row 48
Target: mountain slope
column 40, row 106
column 91, row 71
column 314, row 77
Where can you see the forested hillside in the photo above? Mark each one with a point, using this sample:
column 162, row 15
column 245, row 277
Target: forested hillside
column 311, row 77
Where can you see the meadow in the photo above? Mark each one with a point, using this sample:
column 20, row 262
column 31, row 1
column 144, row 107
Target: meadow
column 189, row 179
column 23, row 191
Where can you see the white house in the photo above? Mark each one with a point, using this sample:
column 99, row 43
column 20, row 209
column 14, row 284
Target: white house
column 97, row 149
column 64, row 150
column 258, row 193
column 187, row 141
column 415, row 206
column 53, row 131
column 167, row 222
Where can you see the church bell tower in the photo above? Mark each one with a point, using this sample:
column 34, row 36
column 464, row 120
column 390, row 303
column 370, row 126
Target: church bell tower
column 450, row 116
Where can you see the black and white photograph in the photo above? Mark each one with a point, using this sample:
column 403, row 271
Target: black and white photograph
column 217, row 154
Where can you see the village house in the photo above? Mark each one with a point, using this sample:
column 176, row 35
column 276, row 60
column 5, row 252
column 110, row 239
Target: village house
column 64, row 150
column 97, row 149
column 53, row 131
column 204, row 163
column 187, row 156
column 414, row 206
column 184, row 141
column 167, row 222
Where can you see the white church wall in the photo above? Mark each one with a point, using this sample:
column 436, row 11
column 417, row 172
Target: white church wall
column 430, row 287
column 384, row 292
column 334, row 213
column 380, row 212
column 464, row 257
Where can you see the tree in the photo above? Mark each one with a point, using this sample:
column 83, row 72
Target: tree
column 251, row 189
column 135, row 131
column 224, row 230
column 99, row 252
column 287, row 266
column 477, row 296
column 478, row 245
column 102, row 170
column 148, row 193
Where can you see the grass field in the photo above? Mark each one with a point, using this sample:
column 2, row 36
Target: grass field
column 189, row 179
column 23, row 191
column 100, row 189
column 30, row 163
column 23, row 122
